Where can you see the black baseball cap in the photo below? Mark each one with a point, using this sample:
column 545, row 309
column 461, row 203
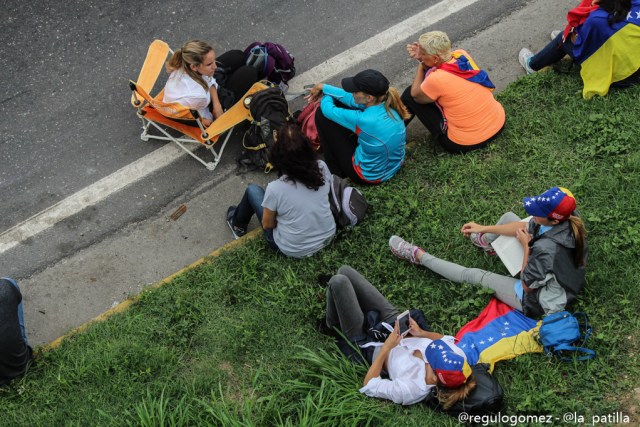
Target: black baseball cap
column 367, row 81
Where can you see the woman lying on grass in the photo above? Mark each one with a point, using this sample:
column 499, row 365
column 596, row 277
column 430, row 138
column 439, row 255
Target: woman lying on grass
column 555, row 255
column 415, row 363
column 294, row 210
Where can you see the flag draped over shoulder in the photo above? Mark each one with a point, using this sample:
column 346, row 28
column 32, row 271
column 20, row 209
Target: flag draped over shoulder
column 499, row 333
column 607, row 54
column 467, row 69
column 577, row 16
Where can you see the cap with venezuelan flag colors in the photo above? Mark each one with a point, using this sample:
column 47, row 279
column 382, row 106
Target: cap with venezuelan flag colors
column 555, row 203
column 450, row 367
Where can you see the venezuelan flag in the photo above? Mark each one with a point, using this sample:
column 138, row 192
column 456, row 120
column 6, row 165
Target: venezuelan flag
column 607, row 54
column 466, row 68
column 499, row 333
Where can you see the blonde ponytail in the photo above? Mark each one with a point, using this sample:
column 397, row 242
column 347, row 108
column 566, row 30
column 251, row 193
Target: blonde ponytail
column 449, row 396
column 392, row 102
column 580, row 234
column 175, row 62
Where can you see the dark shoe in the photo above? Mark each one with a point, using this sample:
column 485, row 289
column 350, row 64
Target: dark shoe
column 321, row 326
column 323, row 280
column 238, row 232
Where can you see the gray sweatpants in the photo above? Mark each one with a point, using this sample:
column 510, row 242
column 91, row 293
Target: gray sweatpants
column 501, row 285
column 349, row 297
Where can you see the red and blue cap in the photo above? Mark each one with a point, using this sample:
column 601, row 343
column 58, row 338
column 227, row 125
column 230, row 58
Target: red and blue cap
column 450, row 367
column 556, row 203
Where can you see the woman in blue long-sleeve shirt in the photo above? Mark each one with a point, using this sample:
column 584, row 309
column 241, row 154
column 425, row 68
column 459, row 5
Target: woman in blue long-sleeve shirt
column 361, row 127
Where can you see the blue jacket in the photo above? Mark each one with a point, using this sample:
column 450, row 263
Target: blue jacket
column 381, row 138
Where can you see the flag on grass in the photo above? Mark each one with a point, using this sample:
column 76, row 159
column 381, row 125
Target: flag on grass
column 499, row 333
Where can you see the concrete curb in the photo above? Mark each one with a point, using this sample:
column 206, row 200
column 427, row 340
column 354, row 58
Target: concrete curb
column 127, row 303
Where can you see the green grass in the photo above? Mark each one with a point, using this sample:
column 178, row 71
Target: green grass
column 233, row 342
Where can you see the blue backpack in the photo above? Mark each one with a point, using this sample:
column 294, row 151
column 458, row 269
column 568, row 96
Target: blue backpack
column 560, row 332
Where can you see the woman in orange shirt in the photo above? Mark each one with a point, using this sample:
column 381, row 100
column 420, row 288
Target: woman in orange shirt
column 451, row 96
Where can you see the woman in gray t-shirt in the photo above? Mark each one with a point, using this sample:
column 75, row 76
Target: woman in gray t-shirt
column 294, row 210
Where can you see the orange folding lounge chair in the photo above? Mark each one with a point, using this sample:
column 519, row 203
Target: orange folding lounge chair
column 153, row 111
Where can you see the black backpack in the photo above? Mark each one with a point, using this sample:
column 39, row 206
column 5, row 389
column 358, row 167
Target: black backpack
column 269, row 112
column 486, row 398
column 348, row 205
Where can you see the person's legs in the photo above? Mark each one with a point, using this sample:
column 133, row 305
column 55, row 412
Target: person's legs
column 504, row 219
column 343, row 310
column 231, row 60
column 484, row 240
column 429, row 114
column 349, row 297
column 453, row 148
column 241, row 80
column 503, row 286
column 338, row 145
column 369, row 297
column 250, row 204
column 20, row 311
column 268, row 236
column 552, row 53
column 234, row 77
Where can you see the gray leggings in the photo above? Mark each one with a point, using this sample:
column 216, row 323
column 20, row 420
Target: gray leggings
column 501, row 285
column 349, row 297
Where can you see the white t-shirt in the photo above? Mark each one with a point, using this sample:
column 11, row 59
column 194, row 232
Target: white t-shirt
column 181, row 88
column 304, row 220
column 407, row 383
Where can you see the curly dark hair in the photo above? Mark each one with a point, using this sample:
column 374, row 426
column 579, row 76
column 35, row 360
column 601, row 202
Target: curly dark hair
column 618, row 9
column 293, row 155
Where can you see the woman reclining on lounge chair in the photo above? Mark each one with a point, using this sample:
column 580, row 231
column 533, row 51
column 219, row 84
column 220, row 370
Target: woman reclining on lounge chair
column 192, row 82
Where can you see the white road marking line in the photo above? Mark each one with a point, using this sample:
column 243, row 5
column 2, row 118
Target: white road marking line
column 381, row 41
column 90, row 195
column 164, row 156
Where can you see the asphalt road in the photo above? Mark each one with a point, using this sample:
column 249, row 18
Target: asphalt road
column 67, row 121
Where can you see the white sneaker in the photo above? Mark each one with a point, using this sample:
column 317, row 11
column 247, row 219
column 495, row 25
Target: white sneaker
column 524, row 57
column 554, row 34
column 403, row 249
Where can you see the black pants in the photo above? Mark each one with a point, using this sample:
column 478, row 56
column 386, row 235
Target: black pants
column 431, row 117
column 338, row 145
column 235, row 76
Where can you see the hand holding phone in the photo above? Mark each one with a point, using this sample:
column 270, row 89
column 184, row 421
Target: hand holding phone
column 403, row 323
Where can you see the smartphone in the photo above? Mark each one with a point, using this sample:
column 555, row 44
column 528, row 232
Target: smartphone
column 403, row 323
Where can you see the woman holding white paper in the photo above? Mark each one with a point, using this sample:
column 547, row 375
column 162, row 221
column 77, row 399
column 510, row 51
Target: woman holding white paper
column 555, row 255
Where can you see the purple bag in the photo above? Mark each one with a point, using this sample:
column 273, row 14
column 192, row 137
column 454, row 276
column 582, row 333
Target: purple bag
column 272, row 60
